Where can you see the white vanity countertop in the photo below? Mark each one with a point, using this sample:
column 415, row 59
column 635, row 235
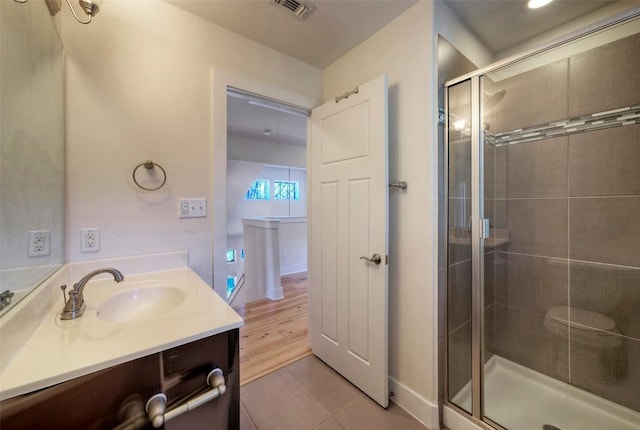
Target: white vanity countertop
column 58, row 351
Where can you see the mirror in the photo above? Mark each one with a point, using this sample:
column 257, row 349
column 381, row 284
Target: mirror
column 32, row 147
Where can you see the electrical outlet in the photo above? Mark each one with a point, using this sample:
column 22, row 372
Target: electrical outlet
column 39, row 243
column 90, row 240
column 192, row 208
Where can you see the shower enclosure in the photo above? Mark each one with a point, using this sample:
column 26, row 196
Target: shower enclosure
column 543, row 248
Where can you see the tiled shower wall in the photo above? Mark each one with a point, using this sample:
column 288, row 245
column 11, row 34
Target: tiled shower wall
column 571, row 205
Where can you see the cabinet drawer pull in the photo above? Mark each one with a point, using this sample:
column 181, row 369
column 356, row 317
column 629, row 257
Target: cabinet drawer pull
column 157, row 404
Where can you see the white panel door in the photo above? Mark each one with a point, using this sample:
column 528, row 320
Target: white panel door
column 349, row 211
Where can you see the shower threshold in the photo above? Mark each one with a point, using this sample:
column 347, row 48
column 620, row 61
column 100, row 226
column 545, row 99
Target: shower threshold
column 519, row 398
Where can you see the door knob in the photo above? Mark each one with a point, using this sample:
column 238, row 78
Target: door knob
column 375, row 259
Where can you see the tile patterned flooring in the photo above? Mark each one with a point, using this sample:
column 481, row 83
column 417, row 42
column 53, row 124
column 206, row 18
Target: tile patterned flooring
column 309, row 395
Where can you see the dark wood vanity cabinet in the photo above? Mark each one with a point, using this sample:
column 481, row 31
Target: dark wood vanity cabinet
column 115, row 398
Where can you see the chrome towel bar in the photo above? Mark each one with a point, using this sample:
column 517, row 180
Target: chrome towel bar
column 157, row 404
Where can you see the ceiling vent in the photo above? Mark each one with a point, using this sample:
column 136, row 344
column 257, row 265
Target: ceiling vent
column 299, row 9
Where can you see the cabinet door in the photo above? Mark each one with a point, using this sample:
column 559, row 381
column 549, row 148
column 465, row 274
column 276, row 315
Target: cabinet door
column 101, row 400
column 185, row 369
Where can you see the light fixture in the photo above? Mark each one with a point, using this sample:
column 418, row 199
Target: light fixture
column 90, row 8
column 535, row 4
column 266, row 132
column 279, row 108
column 459, row 125
column 265, row 102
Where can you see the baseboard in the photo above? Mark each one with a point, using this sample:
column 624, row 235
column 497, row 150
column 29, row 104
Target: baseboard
column 415, row 405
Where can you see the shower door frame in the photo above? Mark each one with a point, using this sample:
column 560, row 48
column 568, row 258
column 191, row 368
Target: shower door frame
column 477, row 212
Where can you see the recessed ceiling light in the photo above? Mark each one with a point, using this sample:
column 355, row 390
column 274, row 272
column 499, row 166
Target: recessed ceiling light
column 535, row 4
column 267, row 132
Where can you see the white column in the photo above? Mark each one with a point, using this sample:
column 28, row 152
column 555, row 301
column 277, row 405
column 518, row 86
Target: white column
column 262, row 258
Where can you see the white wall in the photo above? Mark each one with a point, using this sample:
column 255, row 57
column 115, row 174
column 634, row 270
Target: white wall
column 241, row 174
column 139, row 86
column 449, row 26
column 263, row 151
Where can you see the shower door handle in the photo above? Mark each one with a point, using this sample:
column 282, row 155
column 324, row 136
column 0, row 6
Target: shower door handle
column 375, row 259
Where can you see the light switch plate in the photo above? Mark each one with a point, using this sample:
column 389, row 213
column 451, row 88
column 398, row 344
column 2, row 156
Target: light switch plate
column 192, row 208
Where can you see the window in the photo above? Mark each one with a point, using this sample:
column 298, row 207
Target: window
column 286, row 190
column 259, row 190
column 231, row 255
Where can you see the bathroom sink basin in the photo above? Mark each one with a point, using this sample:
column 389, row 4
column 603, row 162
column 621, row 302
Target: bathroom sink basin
column 140, row 304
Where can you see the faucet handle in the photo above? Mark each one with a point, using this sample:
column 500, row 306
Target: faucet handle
column 74, row 307
column 64, row 294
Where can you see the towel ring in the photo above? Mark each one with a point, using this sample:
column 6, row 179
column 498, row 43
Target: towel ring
column 150, row 165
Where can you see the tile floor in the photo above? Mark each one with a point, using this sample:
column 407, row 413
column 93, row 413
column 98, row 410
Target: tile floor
column 309, row 395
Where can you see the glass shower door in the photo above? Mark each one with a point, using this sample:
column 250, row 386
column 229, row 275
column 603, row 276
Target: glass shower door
column 543, row 269
column 562, row 265
column 459, row 265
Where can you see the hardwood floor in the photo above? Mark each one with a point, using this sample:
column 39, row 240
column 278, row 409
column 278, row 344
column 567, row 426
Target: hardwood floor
column 275, row 332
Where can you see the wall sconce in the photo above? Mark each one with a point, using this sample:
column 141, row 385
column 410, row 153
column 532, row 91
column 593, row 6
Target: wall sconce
column 90, row 8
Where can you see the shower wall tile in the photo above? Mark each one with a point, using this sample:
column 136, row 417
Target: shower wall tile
column 459, row 364
column 459, row 297
column 489, row 103
column 522, row 337
column 500, row 219
column 532, row 284
column 460, row 168
column 609, row 290
column 489, row 212
column 500, row 172
column 459, row 237
column 606, row 230
column 538, row 227
column 605, row 78
column 537, row 169
column 489, row 278
column 605, row 162
column 500, row 262
column 489, row 164
column 544, row 91
column 612, row 372
column 489, row 333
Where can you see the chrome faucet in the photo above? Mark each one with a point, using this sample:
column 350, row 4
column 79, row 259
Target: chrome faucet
column 74, row 307
column 5, row 298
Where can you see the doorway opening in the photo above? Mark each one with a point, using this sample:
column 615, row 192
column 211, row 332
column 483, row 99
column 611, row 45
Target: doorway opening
column 266, row 255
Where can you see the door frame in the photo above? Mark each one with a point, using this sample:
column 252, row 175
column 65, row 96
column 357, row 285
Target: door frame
column 217, row 199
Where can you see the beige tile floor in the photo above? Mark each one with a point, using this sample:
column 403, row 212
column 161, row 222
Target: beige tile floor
column 309, row 395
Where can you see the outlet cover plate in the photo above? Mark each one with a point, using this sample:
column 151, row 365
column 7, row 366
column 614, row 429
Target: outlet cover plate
column 39, row 243
column 90, row 239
